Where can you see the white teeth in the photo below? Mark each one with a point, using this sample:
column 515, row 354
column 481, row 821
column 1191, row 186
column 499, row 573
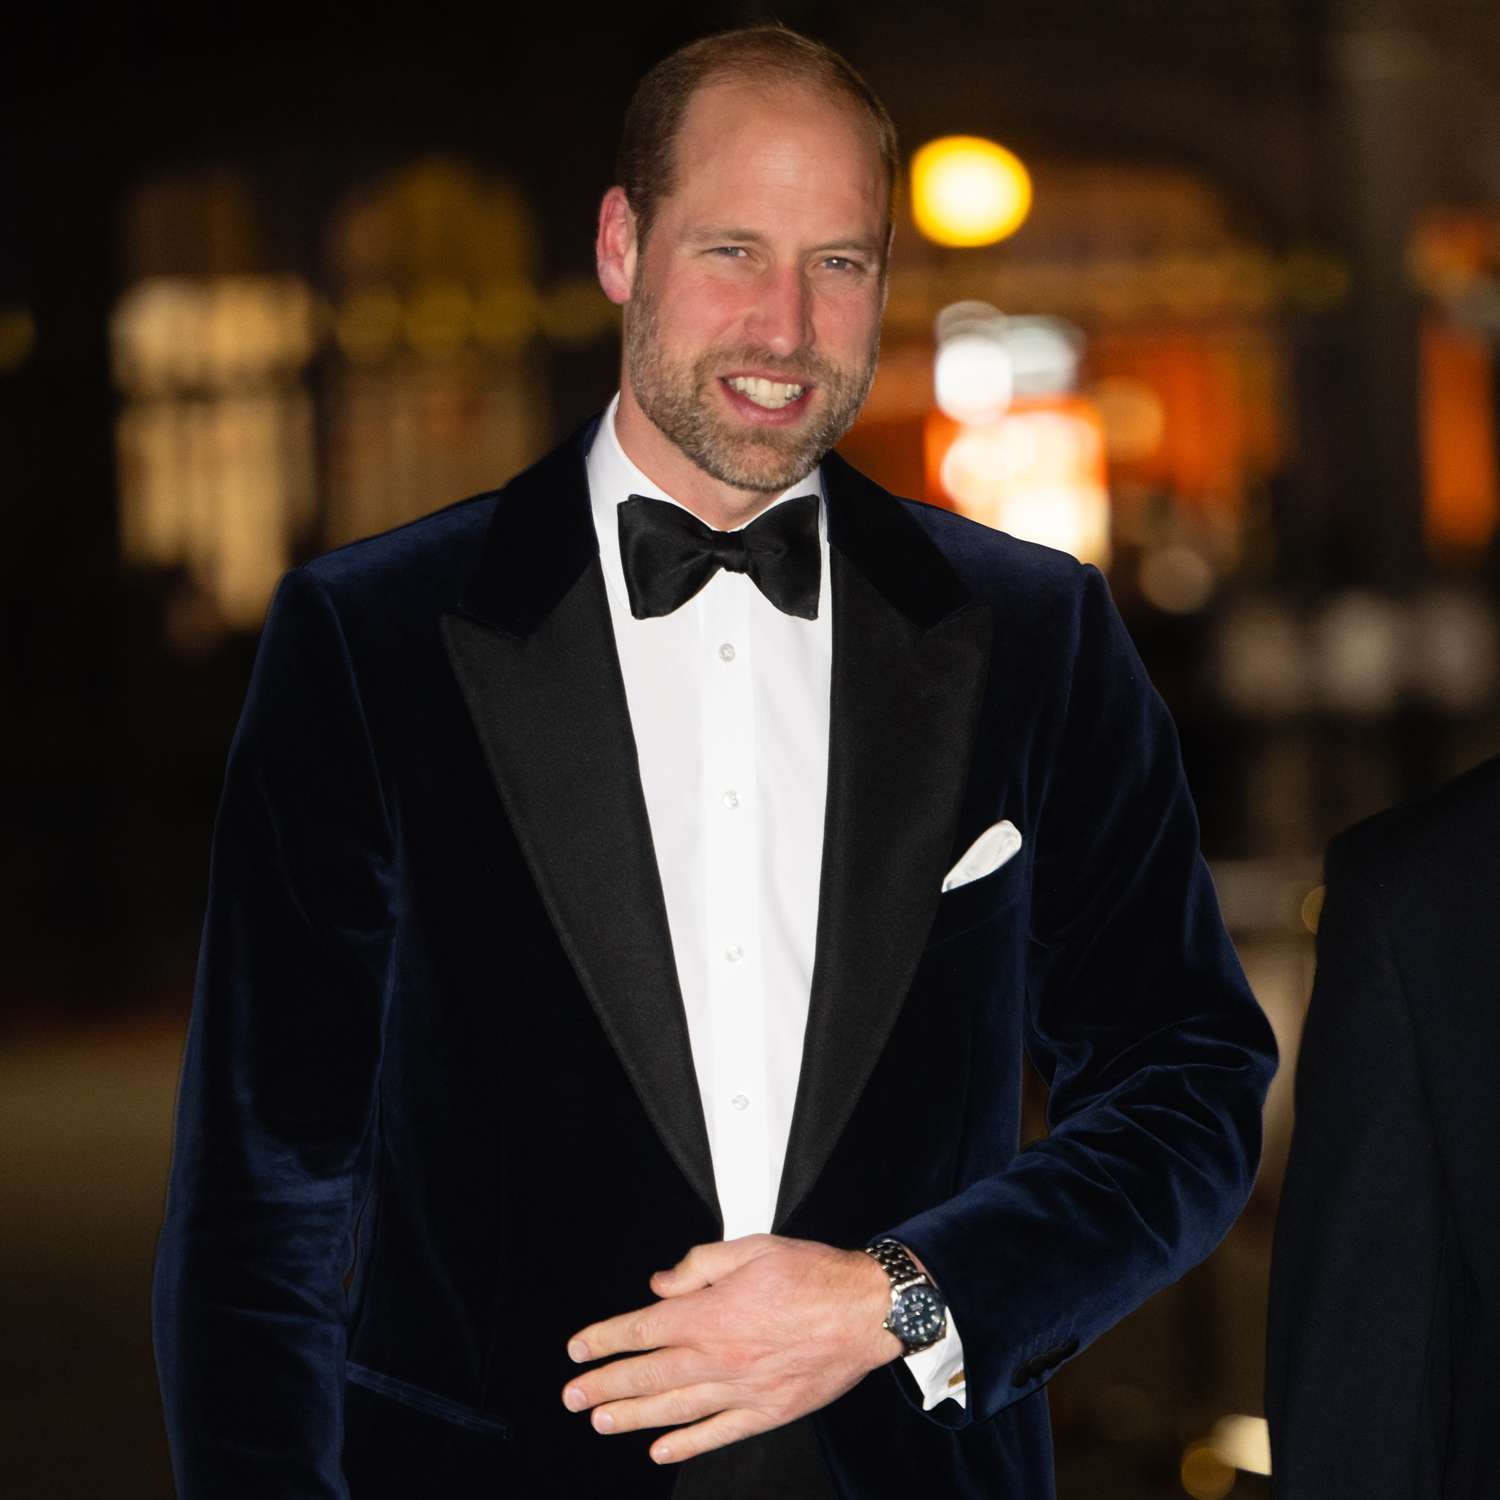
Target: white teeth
column 772, row 394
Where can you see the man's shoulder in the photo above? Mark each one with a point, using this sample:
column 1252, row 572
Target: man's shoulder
column 436, row 551
column 1452, row 831
column 1012, row 575
column 989, row 560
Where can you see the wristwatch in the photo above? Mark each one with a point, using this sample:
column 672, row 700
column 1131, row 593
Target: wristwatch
column 918, row 1316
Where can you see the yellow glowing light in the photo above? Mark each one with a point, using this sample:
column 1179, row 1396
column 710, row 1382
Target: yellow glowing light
column 966, row 190
column 17, row 337
column 1205, row 1476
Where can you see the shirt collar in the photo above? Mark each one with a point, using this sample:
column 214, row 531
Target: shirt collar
column 613, row 478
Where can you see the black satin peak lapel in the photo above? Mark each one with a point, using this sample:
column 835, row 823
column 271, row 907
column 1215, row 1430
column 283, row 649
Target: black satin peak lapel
column 548, row 702
column 910, row 656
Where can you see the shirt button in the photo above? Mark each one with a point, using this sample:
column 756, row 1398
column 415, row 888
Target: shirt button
column 731, row 798
column 740, row 1102
column 726, row 652
column 734, row 953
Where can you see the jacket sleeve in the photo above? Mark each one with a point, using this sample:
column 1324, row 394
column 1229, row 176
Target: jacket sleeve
column 1138, row 1018
column 278, row 1082
column 1357, row 1308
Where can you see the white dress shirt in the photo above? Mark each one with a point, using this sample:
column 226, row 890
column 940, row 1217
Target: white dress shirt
column 729, row 703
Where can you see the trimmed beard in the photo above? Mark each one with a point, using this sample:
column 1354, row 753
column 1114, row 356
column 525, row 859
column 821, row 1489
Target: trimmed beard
column 765, row 460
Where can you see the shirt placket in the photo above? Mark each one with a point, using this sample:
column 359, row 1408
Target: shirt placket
column 736, row 969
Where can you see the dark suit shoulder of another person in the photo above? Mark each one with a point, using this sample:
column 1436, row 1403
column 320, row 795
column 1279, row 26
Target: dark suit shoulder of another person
column 1381, row 1371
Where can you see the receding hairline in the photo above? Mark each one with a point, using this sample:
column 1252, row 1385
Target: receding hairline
column 766, row 91
column 767, row 59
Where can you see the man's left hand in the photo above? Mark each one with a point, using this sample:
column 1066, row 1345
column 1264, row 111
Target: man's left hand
column 749, row 1334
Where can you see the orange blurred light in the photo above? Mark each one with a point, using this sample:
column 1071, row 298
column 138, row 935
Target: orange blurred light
column 1037, row 472
column 968, row 191
column 1458, row 439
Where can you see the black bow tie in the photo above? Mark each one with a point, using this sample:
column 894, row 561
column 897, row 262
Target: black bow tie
column 669, row 554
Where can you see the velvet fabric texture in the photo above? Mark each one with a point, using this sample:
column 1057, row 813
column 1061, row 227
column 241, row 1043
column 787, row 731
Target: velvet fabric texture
column 1384, row 1329
column 438, row 1107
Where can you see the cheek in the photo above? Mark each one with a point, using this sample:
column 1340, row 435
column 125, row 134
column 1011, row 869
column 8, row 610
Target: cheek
column 847, row 323
column 699, row 312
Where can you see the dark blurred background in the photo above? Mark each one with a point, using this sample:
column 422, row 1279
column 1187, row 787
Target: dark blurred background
column 274, row 276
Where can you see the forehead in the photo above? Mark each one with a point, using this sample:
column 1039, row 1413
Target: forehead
column 790, row 151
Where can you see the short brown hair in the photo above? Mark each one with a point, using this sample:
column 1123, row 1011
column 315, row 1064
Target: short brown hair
column 646, row 166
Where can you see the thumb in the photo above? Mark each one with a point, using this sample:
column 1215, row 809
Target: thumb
column 703, row 1265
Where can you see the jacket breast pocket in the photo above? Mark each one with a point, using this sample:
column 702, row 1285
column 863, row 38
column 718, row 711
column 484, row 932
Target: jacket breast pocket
column 980, row 901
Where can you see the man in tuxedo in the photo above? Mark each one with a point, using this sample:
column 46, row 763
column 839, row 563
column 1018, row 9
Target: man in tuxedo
column 632, row 895
column 1384, row 1338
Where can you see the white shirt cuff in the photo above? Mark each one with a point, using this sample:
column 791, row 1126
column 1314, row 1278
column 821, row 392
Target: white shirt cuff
column 939, row 1371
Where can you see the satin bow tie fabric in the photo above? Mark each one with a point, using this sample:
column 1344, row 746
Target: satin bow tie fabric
column 669, row 554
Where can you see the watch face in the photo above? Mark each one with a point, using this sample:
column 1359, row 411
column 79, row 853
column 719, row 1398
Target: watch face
column 917, row 1319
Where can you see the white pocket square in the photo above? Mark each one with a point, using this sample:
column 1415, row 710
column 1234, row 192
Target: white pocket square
column 985, row 855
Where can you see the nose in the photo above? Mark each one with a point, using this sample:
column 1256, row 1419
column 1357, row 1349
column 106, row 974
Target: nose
column 780, row 318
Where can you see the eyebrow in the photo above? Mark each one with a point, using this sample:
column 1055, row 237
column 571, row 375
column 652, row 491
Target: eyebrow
column 718, row 235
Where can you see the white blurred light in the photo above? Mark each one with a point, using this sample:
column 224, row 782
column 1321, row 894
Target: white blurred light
column 1357, row 643
column 1044, row 355
column 1021, row 474
column 973, row 377
column 1243, row 1442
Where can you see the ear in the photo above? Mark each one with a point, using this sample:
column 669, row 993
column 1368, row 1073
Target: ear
column 616, row 248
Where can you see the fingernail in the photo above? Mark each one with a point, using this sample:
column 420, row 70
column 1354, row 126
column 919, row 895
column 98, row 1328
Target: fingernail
column 603, row 1422
column 662, row 1455
column 578, row 1351
column 574, row 1399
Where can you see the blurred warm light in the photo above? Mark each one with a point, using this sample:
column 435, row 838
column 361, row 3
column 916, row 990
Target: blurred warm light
column 211, row 332
column 1356, row 646
column 972, row 379
column 1037, row 473
column 1177, row 579
column 1205, row 1476
column 973, row 376
column 1310, row 912
column 1243, row 1442
column 968, row 191
column 1044, row 355
column 1460, row 469
column 1237, row 1443
column 215, row 437
column 17, row 337
column 1134, row 420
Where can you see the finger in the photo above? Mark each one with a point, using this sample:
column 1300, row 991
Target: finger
column 705, row 1264
column 645, row 1328
column 702, row 1437
column 643, row 1375
column 670, row 1409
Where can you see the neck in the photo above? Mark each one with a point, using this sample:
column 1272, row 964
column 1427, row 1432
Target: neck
column 715, row 503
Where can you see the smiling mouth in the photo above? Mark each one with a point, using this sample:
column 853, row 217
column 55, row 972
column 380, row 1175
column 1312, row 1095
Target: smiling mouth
column 770, row 395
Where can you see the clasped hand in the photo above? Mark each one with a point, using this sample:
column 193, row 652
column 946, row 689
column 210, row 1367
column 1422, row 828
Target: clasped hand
column 748, row 1334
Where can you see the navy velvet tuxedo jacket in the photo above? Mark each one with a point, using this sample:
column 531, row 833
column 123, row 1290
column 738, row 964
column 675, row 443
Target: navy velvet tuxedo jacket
column 1383, row 1365
column 438, row 1107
